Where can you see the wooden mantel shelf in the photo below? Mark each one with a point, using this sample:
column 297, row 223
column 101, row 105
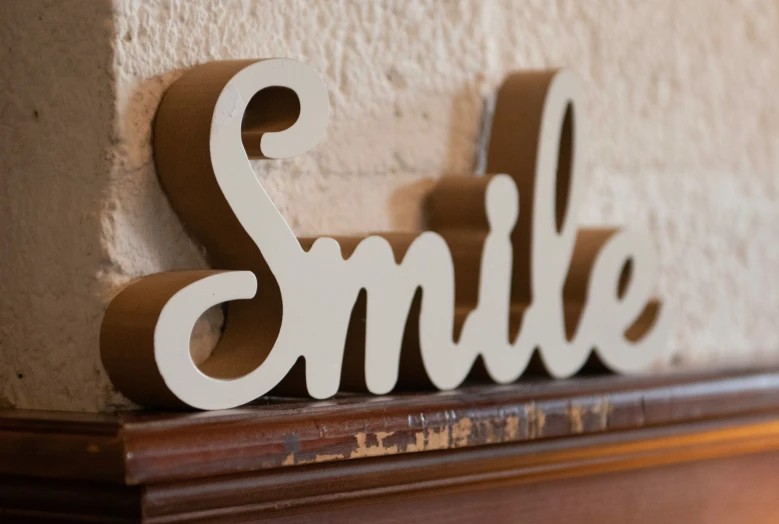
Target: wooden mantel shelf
column 670, row 448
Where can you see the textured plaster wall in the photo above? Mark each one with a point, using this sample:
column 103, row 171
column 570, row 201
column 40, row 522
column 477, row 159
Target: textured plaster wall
column 683, row 141
column 57, row 113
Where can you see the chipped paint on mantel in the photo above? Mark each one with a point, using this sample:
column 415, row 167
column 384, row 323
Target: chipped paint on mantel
column 527, row 421
column 287, row 432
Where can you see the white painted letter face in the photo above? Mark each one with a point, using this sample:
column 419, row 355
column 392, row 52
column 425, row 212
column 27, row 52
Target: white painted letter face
column 498, row 282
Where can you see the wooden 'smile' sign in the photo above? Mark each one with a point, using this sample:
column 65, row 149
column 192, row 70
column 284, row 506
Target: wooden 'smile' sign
column 504, row 274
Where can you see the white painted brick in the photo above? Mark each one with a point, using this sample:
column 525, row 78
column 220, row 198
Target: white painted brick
column 683, row 140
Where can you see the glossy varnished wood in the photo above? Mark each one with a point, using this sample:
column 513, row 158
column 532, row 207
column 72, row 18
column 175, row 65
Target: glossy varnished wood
column 736, row 490
column 511, row 445
column 450, row 474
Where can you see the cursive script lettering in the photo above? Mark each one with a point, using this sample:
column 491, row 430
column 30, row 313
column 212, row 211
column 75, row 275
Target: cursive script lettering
column 496, row 282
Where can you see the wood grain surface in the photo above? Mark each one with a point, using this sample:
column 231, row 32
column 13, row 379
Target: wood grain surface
column 671, row 447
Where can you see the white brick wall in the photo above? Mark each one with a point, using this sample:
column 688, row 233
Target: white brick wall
column 683, row 140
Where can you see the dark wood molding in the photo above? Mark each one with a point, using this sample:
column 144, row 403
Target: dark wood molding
column 289, row 458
